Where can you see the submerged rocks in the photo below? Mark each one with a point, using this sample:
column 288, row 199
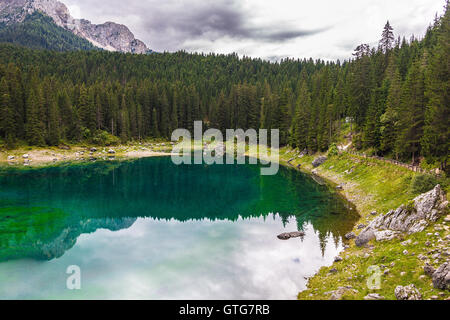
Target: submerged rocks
column 441, row 277
column 289, row 235
column 319, row 161
column 407, row 293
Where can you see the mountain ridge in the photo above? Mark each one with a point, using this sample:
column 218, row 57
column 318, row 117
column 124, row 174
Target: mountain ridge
column 38, row 31
column 109, row 36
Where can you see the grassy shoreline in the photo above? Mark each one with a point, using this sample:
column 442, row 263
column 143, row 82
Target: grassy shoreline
column 41, row 157
column 373, row 185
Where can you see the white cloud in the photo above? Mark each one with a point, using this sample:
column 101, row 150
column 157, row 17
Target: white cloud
column 326, row 29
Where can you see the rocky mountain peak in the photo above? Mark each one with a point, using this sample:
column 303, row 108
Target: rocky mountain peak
column 109, row 36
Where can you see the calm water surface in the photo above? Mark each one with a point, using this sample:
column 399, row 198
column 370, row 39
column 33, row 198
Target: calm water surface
column 147, row 229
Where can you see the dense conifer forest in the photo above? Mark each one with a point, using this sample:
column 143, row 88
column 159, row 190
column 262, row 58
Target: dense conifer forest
column 394, row 95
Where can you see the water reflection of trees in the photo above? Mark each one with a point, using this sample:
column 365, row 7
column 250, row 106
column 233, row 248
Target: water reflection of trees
column 42, row 212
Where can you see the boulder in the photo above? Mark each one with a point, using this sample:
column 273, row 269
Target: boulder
column 25, row 156
column 350, row 236
column 289, row 235
column 407, row 293
column 441, row 278
column 111, row 151
column 374, row 296
column 340, row 292
column 10, row 158
column 365, row 237
column 93, row 149
column 429, row 270
column 319, row 161
column 386, row 235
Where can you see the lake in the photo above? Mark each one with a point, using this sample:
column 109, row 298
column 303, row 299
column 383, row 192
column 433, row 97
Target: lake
column 148, row 229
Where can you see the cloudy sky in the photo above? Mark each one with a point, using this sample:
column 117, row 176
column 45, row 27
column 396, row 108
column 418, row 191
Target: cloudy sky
column 327, row 29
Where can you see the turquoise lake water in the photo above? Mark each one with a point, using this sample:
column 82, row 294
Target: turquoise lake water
column 148, row 229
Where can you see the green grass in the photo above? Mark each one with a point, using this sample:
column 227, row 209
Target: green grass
column 373, row 185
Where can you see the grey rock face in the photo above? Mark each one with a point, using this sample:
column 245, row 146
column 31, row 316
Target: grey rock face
column 407, row 293
column 441, row 278
column 109, row 36
column 429, row 270
column 365, row 237
column 319, row 161
column 350, row 236
column 427, row 208
column 386, row 235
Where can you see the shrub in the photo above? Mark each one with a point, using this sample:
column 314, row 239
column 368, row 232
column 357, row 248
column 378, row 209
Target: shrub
column 422, row 183
column 333, row 151
column 103, row 138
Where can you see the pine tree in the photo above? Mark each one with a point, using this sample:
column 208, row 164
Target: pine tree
column 389, row 120
column 301, row 120
column 53, row 129
column 435, row 141
column 411, row 113
column 165, row 117
column 155, row 133
column 387, row 38
column 35, row 127
column 86, row 110
column 7, row 122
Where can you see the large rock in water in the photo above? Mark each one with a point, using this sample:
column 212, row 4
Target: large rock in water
column 319, row 161
column 289, row 235
column 426, row 208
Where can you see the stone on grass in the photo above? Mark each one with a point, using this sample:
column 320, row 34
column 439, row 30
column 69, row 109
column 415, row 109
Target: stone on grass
column 365, row 237
column 407, row 293
column 350, row 236
column 374, row 296
column 319, row 161
column 441, row 278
